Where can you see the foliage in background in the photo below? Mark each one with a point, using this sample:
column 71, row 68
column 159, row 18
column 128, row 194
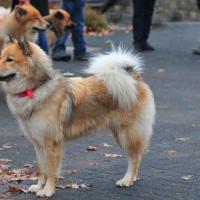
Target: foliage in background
column 94, row 21
column 5, row 3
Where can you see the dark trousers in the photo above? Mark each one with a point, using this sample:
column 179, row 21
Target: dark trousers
column 75, row 8
column 143, row 12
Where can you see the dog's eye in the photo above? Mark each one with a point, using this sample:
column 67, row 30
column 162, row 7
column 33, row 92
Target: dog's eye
column 9, row 59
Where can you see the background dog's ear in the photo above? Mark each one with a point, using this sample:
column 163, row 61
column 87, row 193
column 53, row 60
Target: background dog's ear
column 59, row 15
column 24, row 46
column 19, row 11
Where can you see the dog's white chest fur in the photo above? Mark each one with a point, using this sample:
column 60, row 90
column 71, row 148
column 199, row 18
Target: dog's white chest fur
column 34, row 127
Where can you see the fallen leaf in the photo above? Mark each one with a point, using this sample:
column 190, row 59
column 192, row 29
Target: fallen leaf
column 7, row 146
column 4, row 161
column 15, row 190
column 161, row 70
column 188, row 177
column 90, row 148
column 171, row 152
column 128, row 29
column 8, row 175
column 105, row 145
column 112, row 155
column 74, row 186
column 28, row 165
column 182, row 139
column 67, row 171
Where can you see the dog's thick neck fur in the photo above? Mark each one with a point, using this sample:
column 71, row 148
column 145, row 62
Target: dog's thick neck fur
column 44, row 83
column 6, row 28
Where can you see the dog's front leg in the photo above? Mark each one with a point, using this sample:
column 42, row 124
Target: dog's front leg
column 52, row 152
column 41, row 169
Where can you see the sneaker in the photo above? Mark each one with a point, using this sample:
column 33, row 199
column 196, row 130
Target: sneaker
column 61, row 56
column 196, row 51
column 83, row 56
column 141, row 47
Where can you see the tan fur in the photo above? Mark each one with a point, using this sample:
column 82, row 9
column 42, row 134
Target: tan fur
column 64, row 109
column 17, row 26
column 59, row 20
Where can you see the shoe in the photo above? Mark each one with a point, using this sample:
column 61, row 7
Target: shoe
column 140, row 47
column 61, row 56
column 83, row 56
column 196, row 51
column 148, row 47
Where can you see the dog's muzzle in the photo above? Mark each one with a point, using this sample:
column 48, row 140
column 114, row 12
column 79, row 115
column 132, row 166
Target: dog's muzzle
column 40, row 28
column 8, row 77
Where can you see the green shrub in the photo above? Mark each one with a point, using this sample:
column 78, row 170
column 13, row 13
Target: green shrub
column 94, row 21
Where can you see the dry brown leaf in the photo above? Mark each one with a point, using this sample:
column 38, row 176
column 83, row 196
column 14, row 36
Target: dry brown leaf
column 28, row 165
column 128, row 29
column 8, row 175
column 4, row 161
column 182, row 139
column 105, row 145
column 112, row 155
column 171, row 152
column 15, row 190
column 90, row 148
column 7, row 146
column 67, row 171
column 161, row 70
column 188, row 177
column 73, row 186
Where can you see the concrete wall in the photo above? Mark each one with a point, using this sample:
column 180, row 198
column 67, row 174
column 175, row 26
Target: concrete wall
column 177, row 10
column 173, row 10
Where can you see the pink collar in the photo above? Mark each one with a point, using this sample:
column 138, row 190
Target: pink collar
column 27, row 93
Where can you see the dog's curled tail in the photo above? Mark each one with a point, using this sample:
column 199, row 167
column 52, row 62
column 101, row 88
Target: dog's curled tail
column 116, row 70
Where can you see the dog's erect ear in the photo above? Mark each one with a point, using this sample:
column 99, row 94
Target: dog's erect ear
column 59, row 15
column 8, row 39
column 19, row 11
column 24, row 46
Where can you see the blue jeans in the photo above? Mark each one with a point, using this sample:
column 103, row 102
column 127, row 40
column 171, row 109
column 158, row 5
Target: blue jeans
column 77, row 16
column 42, row 41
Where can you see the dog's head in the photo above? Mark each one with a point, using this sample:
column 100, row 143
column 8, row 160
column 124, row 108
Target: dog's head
column 59, row 21
column 23, row 65
column 30, row 18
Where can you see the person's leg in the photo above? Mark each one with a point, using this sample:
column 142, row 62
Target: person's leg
column 14, row 3
column 42, row 41
column 149, row 8
column 78, row 35
column 138, row 21
column 58, row 51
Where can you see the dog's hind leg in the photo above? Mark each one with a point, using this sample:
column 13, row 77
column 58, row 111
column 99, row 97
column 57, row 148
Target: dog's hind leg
column 41, row 169
column 52, row 152
column 133, row 147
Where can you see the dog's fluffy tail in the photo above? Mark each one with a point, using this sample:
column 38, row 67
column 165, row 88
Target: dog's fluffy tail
column 116, row 70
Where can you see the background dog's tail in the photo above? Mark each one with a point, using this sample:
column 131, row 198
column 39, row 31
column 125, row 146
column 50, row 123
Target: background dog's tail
column 116, row 69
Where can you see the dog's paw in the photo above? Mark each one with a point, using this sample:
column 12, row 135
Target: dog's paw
column 45, row 193
column 34, row 188
column 124, row 182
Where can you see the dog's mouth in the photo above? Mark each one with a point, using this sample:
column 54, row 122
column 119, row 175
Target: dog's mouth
column 37, row 28
column 8, row 77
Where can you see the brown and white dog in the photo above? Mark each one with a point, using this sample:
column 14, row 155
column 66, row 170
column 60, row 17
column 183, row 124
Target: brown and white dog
column 24, row 21
column 59, row 21
column 51, row 109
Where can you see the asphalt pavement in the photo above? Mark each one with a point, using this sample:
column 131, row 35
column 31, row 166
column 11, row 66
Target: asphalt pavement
column 171, row 169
